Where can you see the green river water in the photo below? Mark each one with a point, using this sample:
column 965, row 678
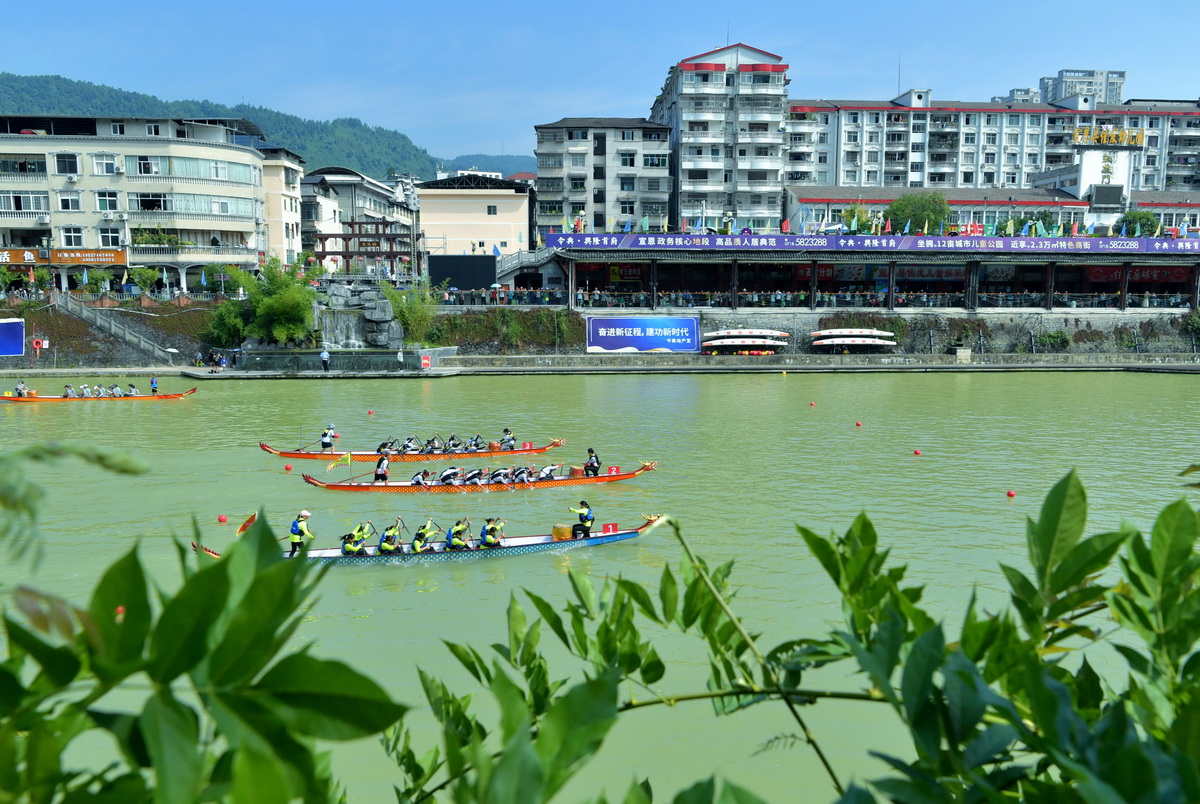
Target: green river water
column 742, row 459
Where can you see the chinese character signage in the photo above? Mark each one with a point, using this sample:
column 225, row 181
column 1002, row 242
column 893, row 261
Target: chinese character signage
column 915, row 244
column 644, row 334
column 20, row 256
column 12, row 337
column 88, row 256
column 1096, row 135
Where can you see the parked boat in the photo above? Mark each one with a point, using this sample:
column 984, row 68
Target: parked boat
column 403, row 457
column 138, row 397
column 851, row 333
column 746, row 333
column 510, row 546
column 396, row 486
column 853, row 342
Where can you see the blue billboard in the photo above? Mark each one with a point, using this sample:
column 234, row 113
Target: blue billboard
column 643, row 334
column 12, row 337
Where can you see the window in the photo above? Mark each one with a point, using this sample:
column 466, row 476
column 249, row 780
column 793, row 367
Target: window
column 628, row 159
column 109, row 237
column 653, row 136
column 1011, row 138
column 577, row 210
column 823, row 158
column 968, row 177
column 66, row 163
column 991, row 119
column 851, row 175
column 1031, row 159
column 991, row 138
column 149, row 165
column 654, row 160
column 104, row 164
column 72, row 237
column 627, row 135
column 968, row 119
column 1010, row 159
column 918, row 128
column 1010, row 178
column 543, row 161
column 220, row 170
column 873, row 117
column 872, row 175
column 851, row 136
column 1133, row 122
column 577, row 134
column 106, row 201
column 22, row 163
column 18, row 200
column 220, row 206
column 68, row 201
column 117, row 128
column 577, row 160
column 627, row 184
column 550, row 207
column 872, row 156
column 989, row 159
column 854, row 118
column 968, row 158
column 627, row 207
column 872, row 136
column 762, row 150
column 491, row 209
column 151, row 202
column 1152, row 122
column 989, row 178
column 697, row 175
column 824, row 118
column 578, row 184
column 1033, row 138
column 653, row 185
column 1034, row 119
column 1152, row 141
column 152, row 130
column 1151, row 160
column 1014, row 119
column 822, row 138
column 916, row 167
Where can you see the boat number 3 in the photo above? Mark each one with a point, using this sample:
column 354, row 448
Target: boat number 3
column 526, row 445
column 614, row 470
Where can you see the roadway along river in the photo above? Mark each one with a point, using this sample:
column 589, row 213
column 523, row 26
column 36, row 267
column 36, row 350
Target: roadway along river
column 742, row 459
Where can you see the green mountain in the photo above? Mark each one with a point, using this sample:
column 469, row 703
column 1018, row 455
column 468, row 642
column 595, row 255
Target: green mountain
column 346, row 142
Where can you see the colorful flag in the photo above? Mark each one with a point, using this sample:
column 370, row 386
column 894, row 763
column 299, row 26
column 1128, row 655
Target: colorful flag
column 1075, row 229
column 1158, row 231
column 628, row 224
column 125, row 277
column 203, row 280
column 345, row 458
column 495, row 250
column 1025, row 228
column 612, row 224
column 664, row 224
column 1137, row 229
column 1122, row 230
column 31, row 275
column 1059, row 231
column 1008, row 230
column 1091, row 228
column 520, row 237
column 887, row 227
column 645, row 223
column 907, row 226
column 786, row 226
column 85, row 280
column 683, row 225
column 854, row 222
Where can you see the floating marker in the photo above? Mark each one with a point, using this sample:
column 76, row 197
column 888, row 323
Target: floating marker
column 858, row 424
column 222, row 519
column 812, row 404
column 1012, row 494
column 785, row 373
column 370, row 413
column 287, row 467
column 916, row 452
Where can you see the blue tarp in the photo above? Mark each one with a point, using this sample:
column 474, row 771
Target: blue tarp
column 12, row 337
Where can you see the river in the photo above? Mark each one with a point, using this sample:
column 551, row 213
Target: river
column 742, row 459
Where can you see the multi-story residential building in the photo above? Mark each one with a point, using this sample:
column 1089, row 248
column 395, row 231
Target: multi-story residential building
column 602, row 174
column 319, row 215
column 726, row 111
column 176, row 194
column 379, row 233
column 282, row 172
column 1105, row 86
column 1019, row 95
column 475, row 214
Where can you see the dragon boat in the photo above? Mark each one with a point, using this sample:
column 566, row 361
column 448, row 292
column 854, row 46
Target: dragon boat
column 136, row 398
column 395, row 486
column 557, row 541
column 526, row 448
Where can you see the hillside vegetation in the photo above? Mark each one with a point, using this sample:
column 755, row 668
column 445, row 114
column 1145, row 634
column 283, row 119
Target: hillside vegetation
column 346, row 142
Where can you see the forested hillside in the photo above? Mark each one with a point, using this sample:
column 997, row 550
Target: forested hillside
column 347, row 142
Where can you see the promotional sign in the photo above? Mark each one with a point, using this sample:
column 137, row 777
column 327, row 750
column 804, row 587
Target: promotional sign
column 12, row 337
column 88, row 256
column 860, row 243
column 643, row 334
column 21, row 256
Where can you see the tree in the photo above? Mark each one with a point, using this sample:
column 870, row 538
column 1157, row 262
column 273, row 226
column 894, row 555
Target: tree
column 193, row 689
column 1136, row 221
column 918, row 211
column 227, row 327
column 97, row 277
column 282, row 307
column 145, row 278
column 415, row 308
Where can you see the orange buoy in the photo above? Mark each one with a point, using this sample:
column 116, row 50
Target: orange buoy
column 222, row 519
column 812, row 404
column 287, row 467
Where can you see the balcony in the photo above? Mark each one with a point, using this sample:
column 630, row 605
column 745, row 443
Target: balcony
column 758, row 185
column 193, row 254
column 702, row 136
column 708, row 186
column 697, row 88
column 760, row 163
column 759, row 136
column 157, row 217
column 764, row 115
column 703, row 114
column 25, row 178
column 693, row 162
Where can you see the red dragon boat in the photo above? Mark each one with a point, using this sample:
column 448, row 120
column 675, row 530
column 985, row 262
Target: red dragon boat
column 394, row 486
column 364, row 456
column 138, row 397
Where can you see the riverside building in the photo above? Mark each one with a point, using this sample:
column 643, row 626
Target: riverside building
column 171, row 194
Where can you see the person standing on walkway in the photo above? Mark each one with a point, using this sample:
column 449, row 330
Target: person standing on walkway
column 325, row 359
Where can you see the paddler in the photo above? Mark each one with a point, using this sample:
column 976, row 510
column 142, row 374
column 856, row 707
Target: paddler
column 456, row 539
column 583, row 528
column 491, row 533
column 452, row 444
column 133, row 391
column 420, row 478
column 448, row 476
column 352, row 542
column 327, row 439
column 473, row 478
column 389, row 542
column 69, row 392
column 547, row 472
column 22, row 389
column 411, row 444
column 300, row 531
column 475, row 443
column 423, row 537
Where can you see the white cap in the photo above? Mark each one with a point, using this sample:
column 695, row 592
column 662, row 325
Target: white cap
column 331, row 427
column 305, row 513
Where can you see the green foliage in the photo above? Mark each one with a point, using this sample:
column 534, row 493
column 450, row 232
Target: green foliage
column 155, row 237
column 97, row 277
column 1135, row 218
column 863, row 320
column 509, row 329
column 281, row 305
column 414, row 308
column 1045, row 217
column 856, row 217
column 227, row 327
column 346, row 142
column 1055, row 341
column 921, row 209
column 144, row 278
column 1191, row 324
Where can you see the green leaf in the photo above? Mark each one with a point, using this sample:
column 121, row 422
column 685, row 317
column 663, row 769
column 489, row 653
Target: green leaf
column 574, row 727
column 514, row 709
column 518, row 775
column 118, row 639
column 734, row 794
column 466, row 659
column 1089, row 695
column 180, row 640
column 11, row 691
column 59, row 664
column 127, row 730
column 171, row 731
column 917, row 679
column 327, row 699
column 700, row 793
column 856, row 795
column 1088, row 558
column 584, row 591
column 247, row 645
column 639, row 793
column 652, row 668
column 258, row 779
column 1173, row 538
column 516, row 628
column 551, row 617
column 964, row 704
column 1022, row 588
column 1051, row 539
column 668, row 594
column 990, row 742
column 640, row 596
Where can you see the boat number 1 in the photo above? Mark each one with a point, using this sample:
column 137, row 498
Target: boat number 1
column 526, row 445
column 614, row 470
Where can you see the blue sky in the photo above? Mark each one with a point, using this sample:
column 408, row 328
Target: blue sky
column 475, row 77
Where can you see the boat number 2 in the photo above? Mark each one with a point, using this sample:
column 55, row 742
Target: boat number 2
column 614, row 470
column 526, row 445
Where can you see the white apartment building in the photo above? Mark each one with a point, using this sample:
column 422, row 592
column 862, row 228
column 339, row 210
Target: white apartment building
column 726, row 111
column 379, row 224
column 282, row 172
column 602, row 174
column 1106, row 86
column 475, row 213
column 176, row 194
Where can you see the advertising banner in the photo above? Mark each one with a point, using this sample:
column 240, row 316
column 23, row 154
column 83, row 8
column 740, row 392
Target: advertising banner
column 12, row 337
column 88, row 256
column 21, row 256
column 860, row 243
column 643, row 334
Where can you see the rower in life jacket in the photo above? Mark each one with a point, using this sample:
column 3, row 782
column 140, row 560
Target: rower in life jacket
column 452, row 444
column 389, row 542
column 456, row 539
column 327, row 438
column 423, row 537
column 508, row 440
column 583, row 528
column 475, row 443
column 381, row 468
column 300, row 531
column 352, row 542
column 491, row 533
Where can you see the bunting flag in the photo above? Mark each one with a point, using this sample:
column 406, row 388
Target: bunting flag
column 664, row 224
column 645, row 223
column 612, row 224
column 345, row 458
column 907, row 226
column 1059, row 231
column 203, row 280
column 1122, row 230
column 564, row 223
column 520, row 237
column 887, row 227
column 125, row 277
column 1025, row 228
column 854, row 222
column 683, row 225
column 1091, row 228
column 941, row 229
column 495, row 250
column 1158, row 231
column 1075, row 229
column 85, row 279
column 164, row 278
column 786, row 226
column 31, row 275
column 1008, row 230
column 541, row 240
column 1137, row 229
column 628, row 224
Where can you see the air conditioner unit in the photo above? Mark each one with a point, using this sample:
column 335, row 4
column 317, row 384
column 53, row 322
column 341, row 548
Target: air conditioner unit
column 72, row 177
column 108, row 216
column 121, row 216
column 118, row 168
column 43, row 219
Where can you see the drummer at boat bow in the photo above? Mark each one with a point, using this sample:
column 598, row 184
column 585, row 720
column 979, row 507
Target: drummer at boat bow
column 583, row 528
column 22, row 389
column 300, row 531
column 592, row 467
column 327, row 439
column 508, row 440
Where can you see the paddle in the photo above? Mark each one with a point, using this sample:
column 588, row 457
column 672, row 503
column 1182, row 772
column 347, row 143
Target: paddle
column 306, row 446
